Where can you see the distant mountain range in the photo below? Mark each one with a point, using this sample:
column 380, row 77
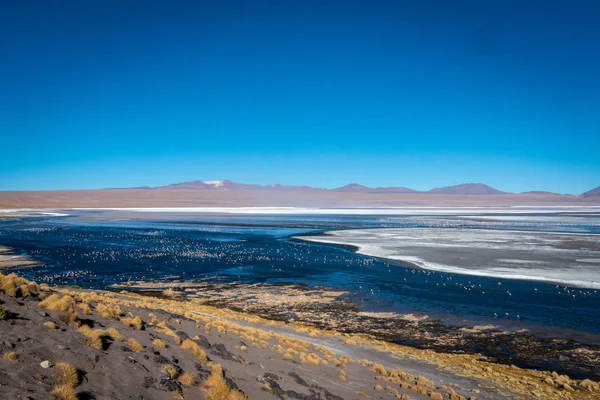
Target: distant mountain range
column 592, row 193
column 462, row 189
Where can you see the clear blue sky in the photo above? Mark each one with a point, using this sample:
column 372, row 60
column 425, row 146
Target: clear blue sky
column 113, row 93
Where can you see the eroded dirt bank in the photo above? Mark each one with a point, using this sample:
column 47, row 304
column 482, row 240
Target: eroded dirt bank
column 71, row 343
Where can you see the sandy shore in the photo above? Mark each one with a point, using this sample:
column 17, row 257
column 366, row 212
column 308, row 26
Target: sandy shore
column 9, row 259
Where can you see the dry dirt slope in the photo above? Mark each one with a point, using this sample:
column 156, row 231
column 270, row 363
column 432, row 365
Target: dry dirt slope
column 125, row 346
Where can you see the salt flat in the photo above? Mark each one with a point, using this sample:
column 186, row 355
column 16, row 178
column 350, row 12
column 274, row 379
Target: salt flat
column 571, row 259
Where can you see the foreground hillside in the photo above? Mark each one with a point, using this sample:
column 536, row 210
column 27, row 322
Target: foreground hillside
column 66, row 343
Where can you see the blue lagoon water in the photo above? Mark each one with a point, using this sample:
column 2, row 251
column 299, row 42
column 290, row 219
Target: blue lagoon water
column 95, row 249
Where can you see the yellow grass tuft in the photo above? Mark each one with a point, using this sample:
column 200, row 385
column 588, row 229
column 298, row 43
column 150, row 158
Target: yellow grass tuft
column 159, row 344
column 163, row 328
column 195, row 348
column 10, row 356
column 135, row 322
column 188, row 379
column 114, row 334
column 134, row 345
column 379, row 369
column 177, row 395
column 343, row 376
column 66, row 375
column 172, row 371
column 109, row 311
column 64, row 392
column 95, row 337
column 56, row 303
column 14, row 286
column 50, row 324
column 68, row 316
column 218, row 388
column 350, row 342
column 85, row 308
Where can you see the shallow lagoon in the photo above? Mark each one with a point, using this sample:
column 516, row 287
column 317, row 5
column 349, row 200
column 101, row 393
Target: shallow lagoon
column 97, row 248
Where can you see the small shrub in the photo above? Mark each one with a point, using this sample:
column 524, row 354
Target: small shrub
column 218, row 389
column 85, row 308
column 56, row 303
column 195, row 348
column 136, row 322
column 68, row 317
column 109, row 311
column 159, row 344
column 64, row 392
column 134, row 345
column 172, row 371
column 10, row 356
column 95, row 337
column 113, row 334
column 50, row 324
column 187, row 379
column 4, row 313
column 66, row 375
column 379, row 369
column 350, row 342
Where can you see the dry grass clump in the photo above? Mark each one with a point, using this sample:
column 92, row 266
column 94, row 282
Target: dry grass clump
column 10, row 356
column 109, row 311
column 66, row 374
column 310, row 358
column 56, row 303
column 195, row 349
column 379, row 369
column 158, row 343
column 66, row 378
column 163, row 328
column 326, row 351
column 153, row 320
column 177, row 395
column 350, row 342
column 113, row 334
column 343, row 376
column 4, row 313
column 188, row 379
column 218, row 388
column 135, row 322
column 296, row 344
column 15, row 286
column 85, row 308
column 68, row 317
column 95, row 337
column 50, row 324
column 134, row 345
column 171, row 371
column 64, row 392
